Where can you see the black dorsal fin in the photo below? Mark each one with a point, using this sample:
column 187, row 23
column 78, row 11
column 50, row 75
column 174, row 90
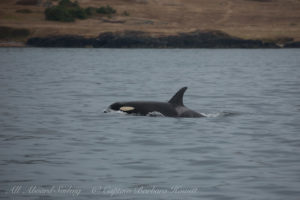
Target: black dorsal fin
column 177, row 99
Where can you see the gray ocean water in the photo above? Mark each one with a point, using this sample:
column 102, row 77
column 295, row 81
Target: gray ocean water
column 56, row 142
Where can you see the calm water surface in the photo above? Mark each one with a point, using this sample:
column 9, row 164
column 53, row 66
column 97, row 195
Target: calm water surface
column 56, row 142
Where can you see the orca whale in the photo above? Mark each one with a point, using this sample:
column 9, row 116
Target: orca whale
column 173, row 108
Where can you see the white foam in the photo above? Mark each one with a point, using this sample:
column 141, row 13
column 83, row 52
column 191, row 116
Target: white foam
column 158, row 114
column 108, row 110
column 218, row 114
column 212, row 115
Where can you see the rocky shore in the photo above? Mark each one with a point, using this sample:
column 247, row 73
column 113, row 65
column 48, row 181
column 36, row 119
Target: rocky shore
column 292, row 45
column 135, row 39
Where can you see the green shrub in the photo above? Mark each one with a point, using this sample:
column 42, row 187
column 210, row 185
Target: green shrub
column 107, row 10
column 78, row 13
column 66, row 11
column 59, row 13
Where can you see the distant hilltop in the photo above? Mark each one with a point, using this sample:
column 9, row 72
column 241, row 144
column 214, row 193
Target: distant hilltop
column 274, row 23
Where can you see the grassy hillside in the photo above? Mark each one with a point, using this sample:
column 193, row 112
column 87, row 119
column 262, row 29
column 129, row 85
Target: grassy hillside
column 249, row 19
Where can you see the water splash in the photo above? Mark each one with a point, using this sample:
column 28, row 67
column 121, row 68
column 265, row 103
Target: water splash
column 219, row 114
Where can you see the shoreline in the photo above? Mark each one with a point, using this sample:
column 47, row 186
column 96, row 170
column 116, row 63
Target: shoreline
column 138, row 39
column 12, row 44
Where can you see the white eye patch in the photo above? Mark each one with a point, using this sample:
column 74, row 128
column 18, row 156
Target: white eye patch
column 126, row 108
